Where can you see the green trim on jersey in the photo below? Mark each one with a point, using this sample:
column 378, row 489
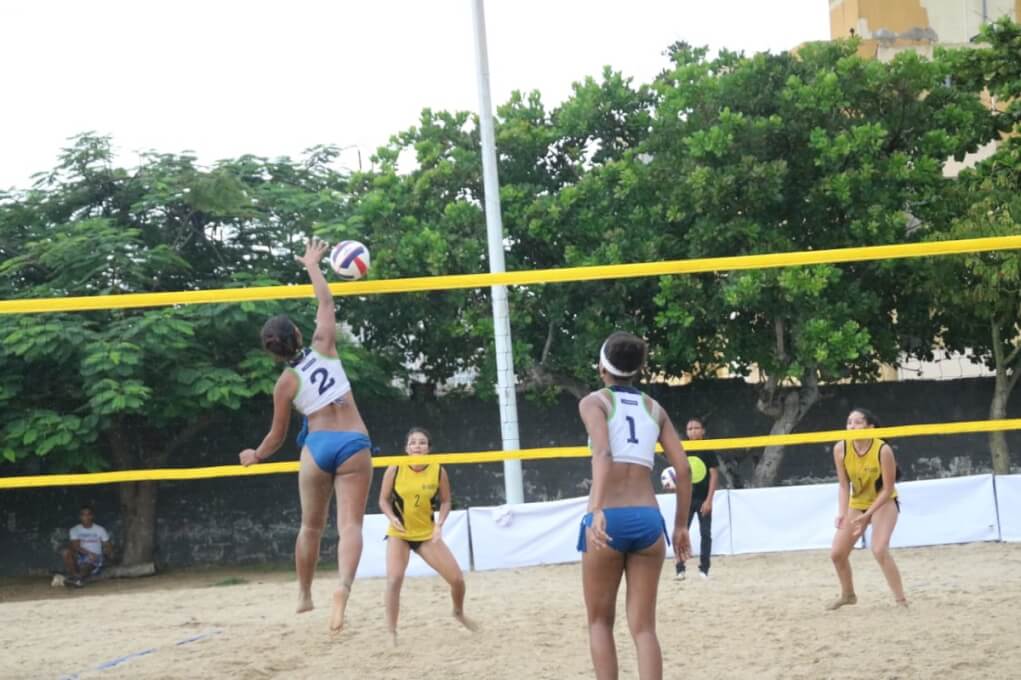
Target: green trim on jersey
column 646, row 409
column 613, row 404
column 297, row 375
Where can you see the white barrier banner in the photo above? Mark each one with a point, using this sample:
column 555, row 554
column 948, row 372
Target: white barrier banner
column 373, row 562
column 720, row 523
column 782, row 518
column 940, row 511
column 527, row 534
column 1008, row 497
column 937, row 511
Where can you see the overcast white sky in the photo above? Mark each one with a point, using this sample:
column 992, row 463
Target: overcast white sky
column 226, row 77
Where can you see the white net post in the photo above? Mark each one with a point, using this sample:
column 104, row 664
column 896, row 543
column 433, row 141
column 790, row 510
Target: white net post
column 494, row 229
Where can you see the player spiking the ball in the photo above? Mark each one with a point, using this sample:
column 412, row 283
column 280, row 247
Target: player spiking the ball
column 335, row 453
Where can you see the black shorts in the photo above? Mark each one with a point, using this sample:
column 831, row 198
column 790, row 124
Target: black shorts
column 414, row 545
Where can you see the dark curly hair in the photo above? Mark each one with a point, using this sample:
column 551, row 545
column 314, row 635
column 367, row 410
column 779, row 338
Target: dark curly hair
column 625, row 351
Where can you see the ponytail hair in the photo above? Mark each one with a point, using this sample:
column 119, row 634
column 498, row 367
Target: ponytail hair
column 280, row 337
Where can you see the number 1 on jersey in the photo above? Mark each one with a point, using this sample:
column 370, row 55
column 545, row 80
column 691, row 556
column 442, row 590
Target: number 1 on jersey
column 632, row 439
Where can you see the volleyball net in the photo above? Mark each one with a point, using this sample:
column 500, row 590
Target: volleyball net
column 533, row 277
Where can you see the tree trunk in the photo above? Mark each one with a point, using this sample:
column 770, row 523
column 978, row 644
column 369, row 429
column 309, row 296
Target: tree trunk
column 998, row 440
column 1002, row 388
column 138, row 519
column 137, row 502
column 787, row 408
column 138, row 499
column 538, row 377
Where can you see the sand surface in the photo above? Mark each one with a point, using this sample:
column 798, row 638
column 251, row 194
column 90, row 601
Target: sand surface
column 759, row 616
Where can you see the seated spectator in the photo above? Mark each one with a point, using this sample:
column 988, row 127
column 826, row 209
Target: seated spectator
column 89, row 548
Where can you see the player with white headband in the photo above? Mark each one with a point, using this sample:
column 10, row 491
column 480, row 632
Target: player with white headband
column 624, row 532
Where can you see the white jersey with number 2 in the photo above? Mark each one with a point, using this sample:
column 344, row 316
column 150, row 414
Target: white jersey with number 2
column 323, row 381
column 633, row 430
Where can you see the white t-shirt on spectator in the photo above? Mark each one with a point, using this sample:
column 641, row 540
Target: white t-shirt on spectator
column 91, row 539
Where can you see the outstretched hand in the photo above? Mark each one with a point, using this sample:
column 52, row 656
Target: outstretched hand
column 315, row 248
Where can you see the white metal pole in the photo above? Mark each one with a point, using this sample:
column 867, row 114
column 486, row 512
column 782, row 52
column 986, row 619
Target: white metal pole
column 494, row 230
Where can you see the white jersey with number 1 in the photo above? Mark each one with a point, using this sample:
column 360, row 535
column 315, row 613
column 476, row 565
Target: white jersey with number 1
column 633, row 430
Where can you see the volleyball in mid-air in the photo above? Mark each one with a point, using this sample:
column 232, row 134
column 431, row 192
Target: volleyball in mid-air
column 668, row 479
column 350, row 260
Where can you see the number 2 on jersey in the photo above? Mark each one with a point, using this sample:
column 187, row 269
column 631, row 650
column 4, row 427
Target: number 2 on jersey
column 326, row 382
column 632, row 439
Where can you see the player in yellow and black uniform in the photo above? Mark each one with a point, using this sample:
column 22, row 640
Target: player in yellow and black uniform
column 867, row 472
column 408, row 497
column 415, row 497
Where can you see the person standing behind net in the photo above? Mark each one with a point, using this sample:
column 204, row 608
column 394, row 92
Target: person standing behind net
column 867, row 473
column 623, row 533
column 705, row 474
column 407, row 497
column 335, row 453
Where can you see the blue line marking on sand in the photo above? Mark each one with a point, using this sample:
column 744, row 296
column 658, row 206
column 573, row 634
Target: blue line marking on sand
column 106, row 665
column 196, row 638
column 117, row 662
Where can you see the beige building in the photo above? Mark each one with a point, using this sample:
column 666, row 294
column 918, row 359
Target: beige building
column 887, row 27
column 890, row 26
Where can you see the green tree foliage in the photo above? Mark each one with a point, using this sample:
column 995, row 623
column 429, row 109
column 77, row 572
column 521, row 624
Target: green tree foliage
column 129, row 389
column 774, row 153
column 569, row 196
column 977, row 298
column 422, row 222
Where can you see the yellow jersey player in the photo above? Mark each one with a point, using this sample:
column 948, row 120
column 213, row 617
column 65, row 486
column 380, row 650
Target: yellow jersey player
column 867, row 474
column 408, row 496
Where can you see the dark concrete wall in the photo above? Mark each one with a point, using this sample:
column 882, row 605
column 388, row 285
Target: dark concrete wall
column 248, row 520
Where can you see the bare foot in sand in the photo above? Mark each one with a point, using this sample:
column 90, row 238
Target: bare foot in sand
column 903, row 603
column 393, row 637
column 466, row 622
column 304, row 603
column 340, row 596
column 842, row 600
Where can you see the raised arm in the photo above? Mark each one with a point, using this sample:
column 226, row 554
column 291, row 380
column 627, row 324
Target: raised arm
column 325, row 338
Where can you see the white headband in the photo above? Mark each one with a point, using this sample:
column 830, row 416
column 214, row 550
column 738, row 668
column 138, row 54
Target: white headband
column 610, row 368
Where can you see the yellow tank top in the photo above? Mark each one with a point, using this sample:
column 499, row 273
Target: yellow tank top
column 865, row 473
column 413, row 494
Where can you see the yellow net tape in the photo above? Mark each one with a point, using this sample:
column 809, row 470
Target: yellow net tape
column 827, row 436
column 537, row 276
